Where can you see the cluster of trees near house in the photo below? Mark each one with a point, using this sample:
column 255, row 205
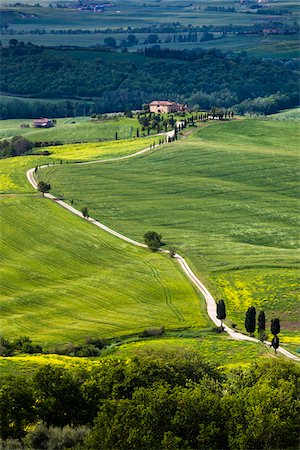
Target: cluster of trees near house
column 154, row 400
column 200, row 78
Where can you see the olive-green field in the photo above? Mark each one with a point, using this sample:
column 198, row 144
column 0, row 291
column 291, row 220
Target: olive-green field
column 226, row 198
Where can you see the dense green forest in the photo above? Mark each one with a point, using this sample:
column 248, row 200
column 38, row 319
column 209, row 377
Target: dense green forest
column 152, row 401
column 203, row 78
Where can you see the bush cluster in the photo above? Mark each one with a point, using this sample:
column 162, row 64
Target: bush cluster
column 92, row 347
column 21, row 345
column 155, row 331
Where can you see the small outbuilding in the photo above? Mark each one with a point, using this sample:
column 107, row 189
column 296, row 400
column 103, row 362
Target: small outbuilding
column 43, row 123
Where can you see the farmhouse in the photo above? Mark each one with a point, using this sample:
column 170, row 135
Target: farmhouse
column 159, row 106
column 43, row 123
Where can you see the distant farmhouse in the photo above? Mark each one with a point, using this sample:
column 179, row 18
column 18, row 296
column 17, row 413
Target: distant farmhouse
column 43, row 123
column 165, row 107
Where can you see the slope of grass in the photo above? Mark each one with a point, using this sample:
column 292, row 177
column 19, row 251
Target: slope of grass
column 72, row 129
column 288, row 114
column 227, row 200
column 64, row 280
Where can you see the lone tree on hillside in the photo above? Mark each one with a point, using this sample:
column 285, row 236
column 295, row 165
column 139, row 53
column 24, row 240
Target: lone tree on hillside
column 85, row 212
column 153, row 240
column 221, row 312
column 250, row 320
column 261, row 325
column 43, row 187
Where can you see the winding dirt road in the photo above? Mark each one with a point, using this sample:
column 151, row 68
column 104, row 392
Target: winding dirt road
column 210, row 301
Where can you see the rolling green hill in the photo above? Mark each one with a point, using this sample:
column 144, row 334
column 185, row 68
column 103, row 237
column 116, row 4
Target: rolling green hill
column 64, row 280
column 226, row 199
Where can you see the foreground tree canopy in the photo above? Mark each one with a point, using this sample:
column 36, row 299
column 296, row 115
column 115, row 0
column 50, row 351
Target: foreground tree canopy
column 157, row 400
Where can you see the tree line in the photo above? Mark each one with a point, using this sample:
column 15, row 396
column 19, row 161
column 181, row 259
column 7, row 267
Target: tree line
column 209, row 77
column 163, row 400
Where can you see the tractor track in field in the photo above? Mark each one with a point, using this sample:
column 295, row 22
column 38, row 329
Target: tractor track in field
column 210, row 301
column 166, row 292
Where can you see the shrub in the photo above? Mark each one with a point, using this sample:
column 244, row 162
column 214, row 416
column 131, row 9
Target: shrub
column 53, row 438
column 155, row 331
column 153, row 240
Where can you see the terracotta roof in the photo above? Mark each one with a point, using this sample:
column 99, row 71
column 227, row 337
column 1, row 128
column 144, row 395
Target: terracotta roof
column 162, row 103
column 41, row 120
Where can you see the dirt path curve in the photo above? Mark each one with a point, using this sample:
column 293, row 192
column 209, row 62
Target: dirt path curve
column 210, row 301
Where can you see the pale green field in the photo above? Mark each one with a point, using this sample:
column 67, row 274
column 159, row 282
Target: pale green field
column 72, row 129
column 226, row 199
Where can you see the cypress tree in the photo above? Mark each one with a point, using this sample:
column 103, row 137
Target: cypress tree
column 221, row 312
column 275, row 343
column 261, row 321
column 250, row 320
column 261, row 325
column 275, row 326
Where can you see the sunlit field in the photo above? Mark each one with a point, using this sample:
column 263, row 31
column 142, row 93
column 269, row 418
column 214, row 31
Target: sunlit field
column 226, row 199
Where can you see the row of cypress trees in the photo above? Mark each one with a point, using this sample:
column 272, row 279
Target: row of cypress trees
column 250, row 323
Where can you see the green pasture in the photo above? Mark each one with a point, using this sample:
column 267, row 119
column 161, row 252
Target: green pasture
column 72, row 129
column 226, row 198
column 215, row 348
column 64, row 280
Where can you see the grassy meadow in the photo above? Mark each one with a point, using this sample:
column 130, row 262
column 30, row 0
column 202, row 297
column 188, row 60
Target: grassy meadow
column 64, row 280
column 226, row 198
column 72, row 129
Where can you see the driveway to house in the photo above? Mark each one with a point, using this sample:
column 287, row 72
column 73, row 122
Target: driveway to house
column 210, row 301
